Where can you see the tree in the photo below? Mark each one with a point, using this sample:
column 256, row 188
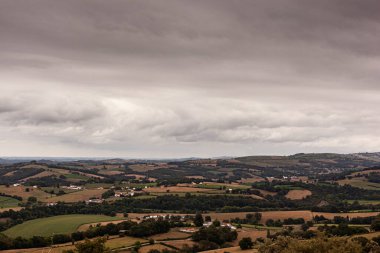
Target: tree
column 216, row 223
column 96, row 246
column 32, row 199
column 198, row 220
column 246, row 243
column 376, row 224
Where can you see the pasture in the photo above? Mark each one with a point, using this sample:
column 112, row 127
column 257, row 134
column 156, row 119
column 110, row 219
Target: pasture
column 360, row 182
column 7, row 202
column 62, row 224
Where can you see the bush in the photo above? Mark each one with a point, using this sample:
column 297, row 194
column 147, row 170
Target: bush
column 246, row 243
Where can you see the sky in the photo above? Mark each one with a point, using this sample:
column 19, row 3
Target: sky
column 195, row 78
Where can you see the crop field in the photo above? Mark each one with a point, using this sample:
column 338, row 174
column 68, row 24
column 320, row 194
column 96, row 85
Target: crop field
column 360, row 182
column 62, row 224
column 77, row 196
column 18, row 208
column 172, row 234
column 298, row 194
column 146, row 249
column 7, row 202
column 253, row 233
column 21, row 191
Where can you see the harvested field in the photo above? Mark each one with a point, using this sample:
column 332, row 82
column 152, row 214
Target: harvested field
column 18, row 208
column 77, row 196
column 298, row 194
column 20, row 191
column 172, row 234
column 253, row 233
column 110, row 172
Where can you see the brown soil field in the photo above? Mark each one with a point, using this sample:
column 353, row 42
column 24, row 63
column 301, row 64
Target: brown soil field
column 138, row 176
column 10, row 208
column 252, row 180
column 77, row 196
column 172, row 234
column 20, row 191
column 298, row 194
column 176, row 189
column 145, row 249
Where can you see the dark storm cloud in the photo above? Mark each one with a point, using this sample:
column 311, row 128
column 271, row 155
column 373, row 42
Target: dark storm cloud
column 178, row 78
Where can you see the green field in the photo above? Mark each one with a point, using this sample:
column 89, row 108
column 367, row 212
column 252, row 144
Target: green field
column 6, row 202
column 62, row 224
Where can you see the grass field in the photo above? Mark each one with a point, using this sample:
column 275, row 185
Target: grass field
column 6, row 202
column 61, row 224
column 360, row 182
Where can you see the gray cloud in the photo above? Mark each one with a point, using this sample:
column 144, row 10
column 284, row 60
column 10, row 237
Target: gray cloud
column 183, row 78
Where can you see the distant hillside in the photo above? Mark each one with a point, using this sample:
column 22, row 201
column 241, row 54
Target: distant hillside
column 314, row 161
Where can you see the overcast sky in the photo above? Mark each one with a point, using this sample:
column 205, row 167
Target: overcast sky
column 201, row 78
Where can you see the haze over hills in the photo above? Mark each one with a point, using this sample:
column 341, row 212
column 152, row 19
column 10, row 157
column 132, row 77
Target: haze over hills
column 366, row 159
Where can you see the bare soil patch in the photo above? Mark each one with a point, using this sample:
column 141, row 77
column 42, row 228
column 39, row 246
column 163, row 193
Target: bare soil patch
column 298, row 194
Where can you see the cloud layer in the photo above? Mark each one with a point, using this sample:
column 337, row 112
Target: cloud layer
column 188, row 78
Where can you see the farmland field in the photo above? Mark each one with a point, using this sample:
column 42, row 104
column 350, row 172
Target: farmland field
column 6, row 202
column 61, row 224
column 22, row 192
column 297, row 194
column 77, row 196
column 360, row 182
